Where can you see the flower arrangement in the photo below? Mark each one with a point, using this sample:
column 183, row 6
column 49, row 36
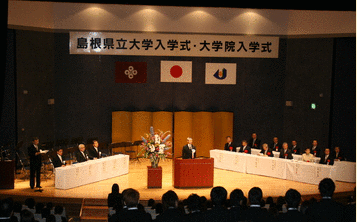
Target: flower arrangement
column 154, row 146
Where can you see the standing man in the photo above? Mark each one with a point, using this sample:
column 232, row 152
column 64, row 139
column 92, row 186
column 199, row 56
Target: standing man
column 275, row 146
column 229, row 146
column 94, row 152
column 315, row 150
column 254, row 142
column 294, row 148
column 189, row 150
column 34, row 153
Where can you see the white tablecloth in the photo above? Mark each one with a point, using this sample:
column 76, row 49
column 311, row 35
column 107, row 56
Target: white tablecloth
column 91, row 171
column 294, row 170
column 345, row 171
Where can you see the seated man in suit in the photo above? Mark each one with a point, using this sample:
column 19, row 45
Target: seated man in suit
column 57, row 160
column 189, row 150
column 338, row 155
column 245, row 148
column 82, row 155
column 254, row 142
column 285, row 152
column 131, row 212
column 229, row 146
column 275, row 146
column 315, row 150
column 307, row 156
column 255, row 212
column 326, row 209
column 327, row 158
column 294, row 147
column 293, row 199
column 93, row 152
column 266, row 151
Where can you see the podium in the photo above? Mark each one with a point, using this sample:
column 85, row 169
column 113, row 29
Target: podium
column 193, row 173
column 7, row 178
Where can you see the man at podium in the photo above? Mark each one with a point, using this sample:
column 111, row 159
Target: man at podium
column 189, row 150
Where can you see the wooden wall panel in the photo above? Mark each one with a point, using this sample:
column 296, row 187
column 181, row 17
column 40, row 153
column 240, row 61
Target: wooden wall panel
column 183, row 129
column 141, row 122
column 121, row 126
column 203, row 134
column 222, row 127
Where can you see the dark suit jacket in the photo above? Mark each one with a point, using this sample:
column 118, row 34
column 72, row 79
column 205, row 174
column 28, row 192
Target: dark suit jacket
column 92, row 153
column 35, row 161
column 295, row 150
column 326, row 210
column 329, row 158
column 217, row 214
column 187, row 152
column 268, row 151
column 80, row 158
column 318, row 151
column 292, row 215
column 226, row 146
column 170, row 215
column 130, row 216
column 340, row 156
column 273, row 146
column 247, row 148
column 56, row 161
column 257, row 214
column 256, row 143
column 282, row 154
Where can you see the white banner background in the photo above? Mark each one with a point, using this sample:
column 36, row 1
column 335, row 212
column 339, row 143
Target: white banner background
column 153, row 44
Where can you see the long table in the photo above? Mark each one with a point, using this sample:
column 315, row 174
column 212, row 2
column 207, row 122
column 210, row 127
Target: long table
column 294, row 170
column 91, row 171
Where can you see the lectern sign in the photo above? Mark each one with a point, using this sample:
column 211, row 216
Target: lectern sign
column 154, row 44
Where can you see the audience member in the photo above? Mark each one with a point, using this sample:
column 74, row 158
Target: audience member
column 115, row 198
column 255, row 212
column 131, row 212
column 193, row 204
column 6, row 209
column 235, row 198
column 293, row 199
column 326, row 209
column 218, row 211
column 171, row 211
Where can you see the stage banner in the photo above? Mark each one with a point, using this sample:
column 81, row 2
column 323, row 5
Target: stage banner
column 155, row 44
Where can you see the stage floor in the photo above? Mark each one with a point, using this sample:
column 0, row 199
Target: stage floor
column 137, row 179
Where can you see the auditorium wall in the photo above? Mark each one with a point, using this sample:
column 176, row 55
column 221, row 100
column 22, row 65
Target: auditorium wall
column 85, row 93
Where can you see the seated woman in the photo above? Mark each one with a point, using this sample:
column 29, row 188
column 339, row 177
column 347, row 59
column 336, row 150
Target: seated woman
column 266, row 151
column 307, row 156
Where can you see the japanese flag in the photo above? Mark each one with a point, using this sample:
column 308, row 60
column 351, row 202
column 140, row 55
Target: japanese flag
column 176, row 71
column 221, row 73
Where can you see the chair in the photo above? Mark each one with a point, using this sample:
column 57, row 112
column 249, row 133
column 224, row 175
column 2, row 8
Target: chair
column 128, row 151
column 137, row 144
column 114, row 146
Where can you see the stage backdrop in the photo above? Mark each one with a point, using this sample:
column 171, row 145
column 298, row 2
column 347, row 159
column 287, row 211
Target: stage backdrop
column 207, row 129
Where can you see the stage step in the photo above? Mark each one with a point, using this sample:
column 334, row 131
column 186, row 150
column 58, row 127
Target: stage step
column 95, row 210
